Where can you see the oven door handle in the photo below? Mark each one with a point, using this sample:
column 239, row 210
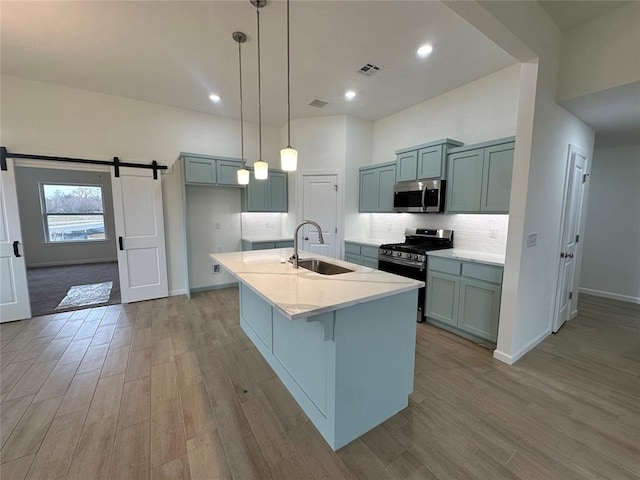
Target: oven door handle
column 424, row 193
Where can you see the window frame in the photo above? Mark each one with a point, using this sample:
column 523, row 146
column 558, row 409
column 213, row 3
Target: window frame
column 45, row 214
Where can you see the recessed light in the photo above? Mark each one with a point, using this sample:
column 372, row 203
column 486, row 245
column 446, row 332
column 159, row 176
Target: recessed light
column 350, row 94
column 425, row 50
column 215, row 98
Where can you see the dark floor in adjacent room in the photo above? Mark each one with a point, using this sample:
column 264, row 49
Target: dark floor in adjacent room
column 49, row 285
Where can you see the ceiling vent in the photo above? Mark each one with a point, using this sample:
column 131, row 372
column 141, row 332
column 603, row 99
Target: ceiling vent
column 318, row 103
column 369, row 69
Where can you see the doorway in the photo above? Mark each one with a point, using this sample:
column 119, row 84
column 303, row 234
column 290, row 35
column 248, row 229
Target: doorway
column 68, row 233
column 572, row 218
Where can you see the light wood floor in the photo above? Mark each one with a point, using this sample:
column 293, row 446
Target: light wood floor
column 173, row 389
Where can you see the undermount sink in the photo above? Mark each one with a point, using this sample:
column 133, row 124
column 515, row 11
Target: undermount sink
column 323, row 268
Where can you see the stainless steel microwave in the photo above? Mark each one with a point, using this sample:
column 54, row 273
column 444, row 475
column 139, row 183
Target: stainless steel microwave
column 424, row 196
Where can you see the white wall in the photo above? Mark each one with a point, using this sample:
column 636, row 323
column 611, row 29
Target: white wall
column 359, row 137
column 482, row 110
column 611, row 255
column 39, row 253
column 601, row 54
column 53, row 120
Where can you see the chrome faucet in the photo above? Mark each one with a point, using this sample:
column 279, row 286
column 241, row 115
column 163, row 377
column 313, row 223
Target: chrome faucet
column 294, row 257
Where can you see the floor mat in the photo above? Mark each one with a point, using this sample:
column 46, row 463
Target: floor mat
column 81, row 295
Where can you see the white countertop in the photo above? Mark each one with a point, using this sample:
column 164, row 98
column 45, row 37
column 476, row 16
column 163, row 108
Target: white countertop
column 267, row 239
column 373, row 242
column 301, row 293
column 469, row 256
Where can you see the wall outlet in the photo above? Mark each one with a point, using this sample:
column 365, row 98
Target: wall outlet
column 493, row 233
column 218, row 226
column 532, row 239
column 215, row 268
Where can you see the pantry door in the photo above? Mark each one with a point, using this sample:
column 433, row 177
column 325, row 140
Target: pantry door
column 138, row 212
column 320, row 204
column 14, row 292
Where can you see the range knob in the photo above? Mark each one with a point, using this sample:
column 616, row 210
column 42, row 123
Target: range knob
column 398, row 254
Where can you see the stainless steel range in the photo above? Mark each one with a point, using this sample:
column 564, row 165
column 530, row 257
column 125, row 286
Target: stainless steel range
column 409, row 259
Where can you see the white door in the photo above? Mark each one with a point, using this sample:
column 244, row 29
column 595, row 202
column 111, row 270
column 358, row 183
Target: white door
column 320, row 204
column 14, row 291
column 571, row 223
column 142, row 262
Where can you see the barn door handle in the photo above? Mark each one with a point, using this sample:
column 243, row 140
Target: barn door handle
column 120, row 243
column 16, row 252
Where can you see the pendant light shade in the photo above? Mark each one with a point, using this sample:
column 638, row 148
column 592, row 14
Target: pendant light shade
column 243, row 176
column 243, row 173
column 288, row 155
column 261, row 170
column 260, row 167
column 289, row 159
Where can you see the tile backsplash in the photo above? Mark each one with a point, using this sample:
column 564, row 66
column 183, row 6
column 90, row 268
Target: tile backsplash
column 261, row 225
column 483, row 233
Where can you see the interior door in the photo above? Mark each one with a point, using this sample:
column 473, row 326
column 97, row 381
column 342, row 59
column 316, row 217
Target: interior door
column 320, row 204
column 138, row 212
column 14, row 291
column 574, row 194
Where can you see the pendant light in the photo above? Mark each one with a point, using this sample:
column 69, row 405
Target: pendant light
column 288, row 155
column 260, row 168
column 243, row 173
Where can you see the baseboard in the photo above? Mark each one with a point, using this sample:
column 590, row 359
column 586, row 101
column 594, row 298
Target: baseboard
column 213, row 287
column 72, row 262
column 511, row 359
column 175, row 293
column 611, row 295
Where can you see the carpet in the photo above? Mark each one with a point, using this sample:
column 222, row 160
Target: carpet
column 84, row 295
column 49, row 285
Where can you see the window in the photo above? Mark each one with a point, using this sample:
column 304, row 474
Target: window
column 72, row 213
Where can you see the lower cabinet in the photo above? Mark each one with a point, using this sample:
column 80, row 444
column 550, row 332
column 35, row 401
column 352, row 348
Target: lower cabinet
column 464, row 296
column 250, row 245
column 360, row 254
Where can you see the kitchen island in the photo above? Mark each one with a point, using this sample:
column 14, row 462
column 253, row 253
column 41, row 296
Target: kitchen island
column 343, row 345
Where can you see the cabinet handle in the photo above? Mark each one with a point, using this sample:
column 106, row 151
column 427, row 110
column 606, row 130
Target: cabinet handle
column 120, row 243
column 16, row 252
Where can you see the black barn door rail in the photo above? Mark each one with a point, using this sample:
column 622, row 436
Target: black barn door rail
column 115, row 163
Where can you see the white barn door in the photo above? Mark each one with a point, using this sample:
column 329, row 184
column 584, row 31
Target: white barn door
column 142, row 261
column 14, row 291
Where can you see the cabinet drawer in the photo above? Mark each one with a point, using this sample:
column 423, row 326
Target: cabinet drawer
column 452, row 267
column 285, row 244
column 370, row 262
column 367, row 251
column 263, row 246
column 482, row 272
column 352, row 248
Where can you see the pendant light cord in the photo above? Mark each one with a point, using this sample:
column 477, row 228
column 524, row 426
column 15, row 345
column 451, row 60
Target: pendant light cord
column 241, row 109
column 288, row 83
column 259, row 88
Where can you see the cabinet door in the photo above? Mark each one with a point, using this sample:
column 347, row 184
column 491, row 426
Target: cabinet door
column 496, row 178
column 351, row 258
column 199, row 170
column 257, row 313
column 277, row 194
column 479, row 308
column 430, row 162
column 386, row 182
column 407, row 166
column 227, row 172
column 370, row 262
column 257, row 200
column 442, row 297
column 465, row 181
column 369, row 190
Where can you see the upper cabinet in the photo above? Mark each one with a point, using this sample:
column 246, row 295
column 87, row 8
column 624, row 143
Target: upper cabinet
column 427, row 160
column 208, row 170
column 268, row 195
column 376, row 187
column 479, row 177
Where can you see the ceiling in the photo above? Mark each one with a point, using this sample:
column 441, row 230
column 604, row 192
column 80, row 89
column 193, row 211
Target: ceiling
column 571, row 13
column 178, row 52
